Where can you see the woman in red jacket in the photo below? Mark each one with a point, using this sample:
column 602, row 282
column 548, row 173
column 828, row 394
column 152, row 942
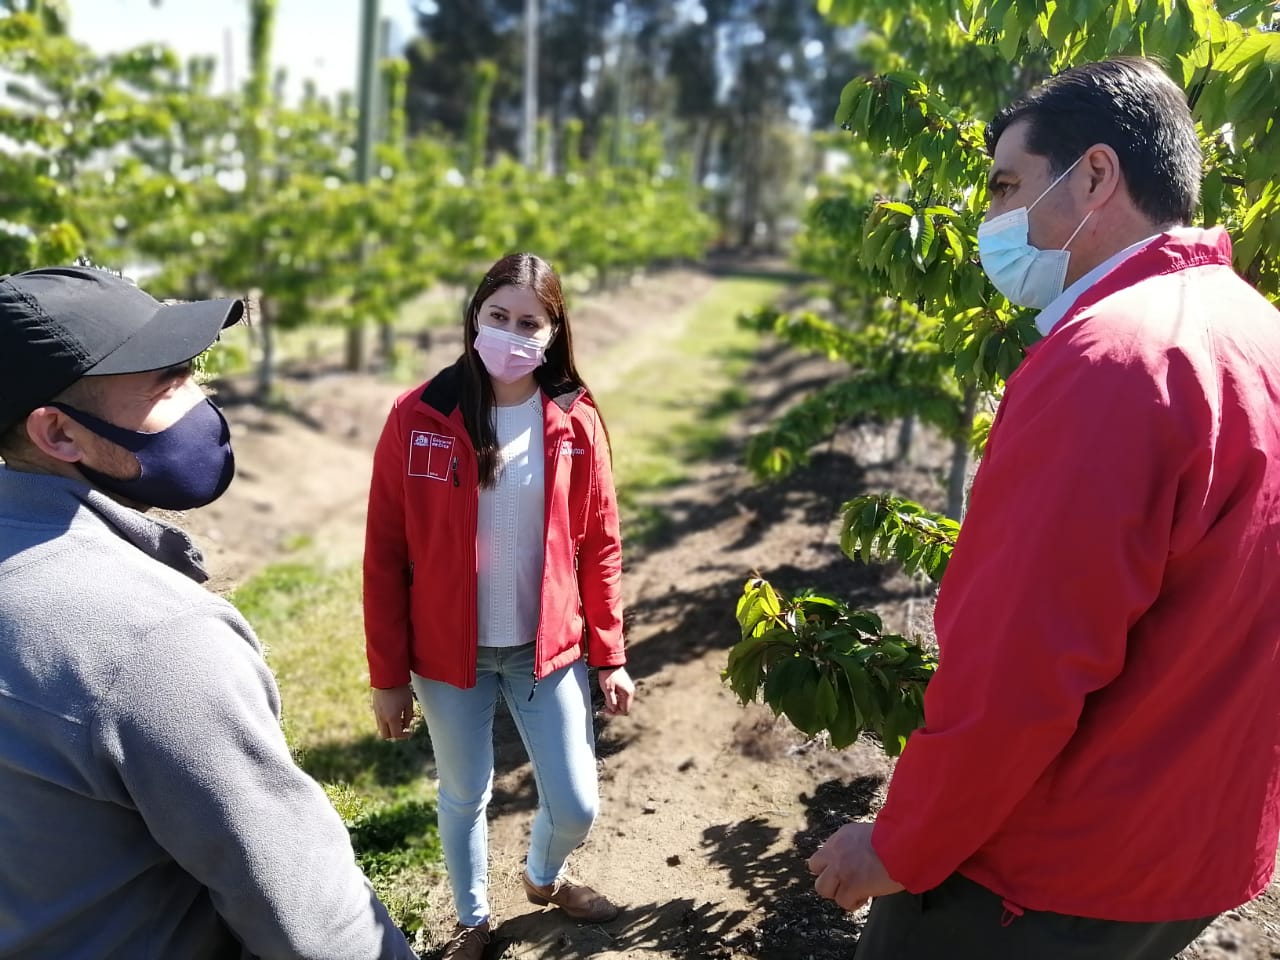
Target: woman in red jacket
column 492, row 559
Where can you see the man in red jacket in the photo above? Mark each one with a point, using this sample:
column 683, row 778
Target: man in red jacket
column 1100, row 763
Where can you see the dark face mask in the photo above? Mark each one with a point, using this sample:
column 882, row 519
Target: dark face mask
column 187, row 465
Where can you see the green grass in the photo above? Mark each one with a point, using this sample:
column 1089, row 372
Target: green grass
column 309, row 619
column 667, row 401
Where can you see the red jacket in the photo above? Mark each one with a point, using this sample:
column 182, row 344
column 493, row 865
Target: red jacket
column 420, row 541
column 1102, row 736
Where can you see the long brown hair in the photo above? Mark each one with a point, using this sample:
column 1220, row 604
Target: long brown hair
column 557, row 374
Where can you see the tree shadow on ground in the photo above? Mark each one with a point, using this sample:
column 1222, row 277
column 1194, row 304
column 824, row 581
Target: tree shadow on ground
column 742, row 849
column 678, row 927
column 369, row 759
column 798, row 923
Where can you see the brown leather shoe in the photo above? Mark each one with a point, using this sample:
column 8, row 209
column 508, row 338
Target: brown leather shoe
column 467, row 943
column 576, row 899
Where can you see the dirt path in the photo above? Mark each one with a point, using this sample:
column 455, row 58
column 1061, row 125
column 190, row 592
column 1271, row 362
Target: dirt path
column 702, row 799
column 708, row 808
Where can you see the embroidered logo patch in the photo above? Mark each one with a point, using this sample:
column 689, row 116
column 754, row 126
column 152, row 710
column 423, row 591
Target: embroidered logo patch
column 430, row 455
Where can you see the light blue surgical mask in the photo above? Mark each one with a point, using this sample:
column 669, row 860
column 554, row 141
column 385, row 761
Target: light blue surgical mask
column 1026, row 275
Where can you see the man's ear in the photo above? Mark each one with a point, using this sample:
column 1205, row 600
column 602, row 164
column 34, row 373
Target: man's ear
column 47, row 430
column 1102, row 167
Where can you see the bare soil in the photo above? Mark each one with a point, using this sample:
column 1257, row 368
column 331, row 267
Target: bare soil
column 709, row 808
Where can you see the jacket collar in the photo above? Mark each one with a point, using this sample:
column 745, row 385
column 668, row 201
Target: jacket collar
column 62, row 500
column 1170, row 252
column 444, row 391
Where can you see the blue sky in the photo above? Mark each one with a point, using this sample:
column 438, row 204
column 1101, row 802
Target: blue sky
column 313, row 38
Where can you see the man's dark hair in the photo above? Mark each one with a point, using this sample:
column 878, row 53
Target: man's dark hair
column 1131, row 105
column 13, row 440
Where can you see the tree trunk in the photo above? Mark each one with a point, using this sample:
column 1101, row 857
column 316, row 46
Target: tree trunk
column 355, row 355
column 960, row 457
column 700, row 150
column 906, row 433
column 387, row 343
column 750, row 187
column 267, row 362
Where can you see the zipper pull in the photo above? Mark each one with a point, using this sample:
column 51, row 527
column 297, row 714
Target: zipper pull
column 534, row 689
column 456, row 482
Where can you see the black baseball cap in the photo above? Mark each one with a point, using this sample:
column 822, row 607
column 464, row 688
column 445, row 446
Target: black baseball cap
column 58, row 324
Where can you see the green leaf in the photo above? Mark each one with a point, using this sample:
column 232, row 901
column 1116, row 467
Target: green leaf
column 769, row 602
column 1061, row 25
column 796, row 693
column 864, row 699
column 864, row 111
column 895, row 653
column 1250, row 47
column 922, row 236
column 780, row 677
column 903, row 719
column 849, row 100
column 750, row 616
column 745, row 673
column 1008, row 44
column 826, row 704
column 867, row 622
column 869, row 516
column 846, row 725
column 902, row 548
column 743, row 649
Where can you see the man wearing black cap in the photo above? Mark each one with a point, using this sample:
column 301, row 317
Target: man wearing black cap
column 149, row 806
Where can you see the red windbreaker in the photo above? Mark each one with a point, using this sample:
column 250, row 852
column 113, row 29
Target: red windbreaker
column 1102, row 736
column 420, row 541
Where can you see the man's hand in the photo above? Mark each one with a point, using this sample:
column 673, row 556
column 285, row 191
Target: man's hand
column 393, row 710
column 848, row 869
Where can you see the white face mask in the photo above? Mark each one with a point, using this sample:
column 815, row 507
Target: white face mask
column 507, row 356
column 1027, row 275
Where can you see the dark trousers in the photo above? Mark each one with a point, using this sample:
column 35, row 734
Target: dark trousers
column 962, row 920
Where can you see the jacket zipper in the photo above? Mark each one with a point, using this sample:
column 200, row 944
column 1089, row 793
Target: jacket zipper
column 454, row 471
column 554, row 460
column 473, row 601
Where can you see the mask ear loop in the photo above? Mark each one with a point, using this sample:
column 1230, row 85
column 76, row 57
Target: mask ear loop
column 1077, row 229
column 1055, row 183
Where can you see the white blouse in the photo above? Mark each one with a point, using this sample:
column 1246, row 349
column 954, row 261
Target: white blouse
column 510, row 540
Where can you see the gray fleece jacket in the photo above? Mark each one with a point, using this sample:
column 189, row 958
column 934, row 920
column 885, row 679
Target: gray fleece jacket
column 149, row 807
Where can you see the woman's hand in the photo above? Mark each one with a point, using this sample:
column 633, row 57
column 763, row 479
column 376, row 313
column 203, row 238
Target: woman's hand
column 618, row 690
column 393, row 709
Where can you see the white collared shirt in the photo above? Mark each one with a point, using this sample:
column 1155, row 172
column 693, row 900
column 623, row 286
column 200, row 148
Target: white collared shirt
column 1048, row 318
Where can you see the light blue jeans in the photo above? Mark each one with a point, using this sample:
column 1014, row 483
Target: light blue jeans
column 555, row 726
